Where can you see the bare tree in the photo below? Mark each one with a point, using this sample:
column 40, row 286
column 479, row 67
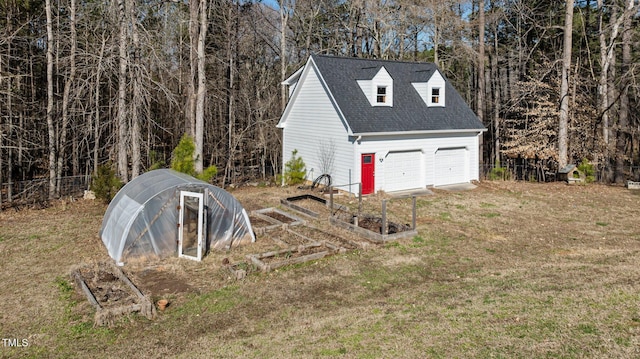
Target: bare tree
column 606, row 90
column 196, row 94
column 96, row 124
column 623, row 119
column 136, row 100
column 123, row 81
column 50, row 125
column 202, row 87
column 481, row 62
column 286, row 8
column 496, row 83
column 564, row 87
column 326, row 156
column 62, row 140
column 194, row 12
column 123, row 128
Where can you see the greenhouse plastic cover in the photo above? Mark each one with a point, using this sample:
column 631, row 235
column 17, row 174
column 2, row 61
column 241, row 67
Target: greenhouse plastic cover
column 142, row 219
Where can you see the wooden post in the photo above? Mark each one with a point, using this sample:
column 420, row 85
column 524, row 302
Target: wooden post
column 413, row 218
column 331, row 200
column 359, row 199
column 384, row 217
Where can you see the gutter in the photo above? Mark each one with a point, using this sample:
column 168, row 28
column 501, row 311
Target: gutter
column 425, row 132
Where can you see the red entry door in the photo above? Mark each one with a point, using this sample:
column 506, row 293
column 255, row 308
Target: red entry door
column 367, row 172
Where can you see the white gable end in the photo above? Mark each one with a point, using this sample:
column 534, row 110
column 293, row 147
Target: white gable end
column 315, row 129
column 378, row 90
column 432, row 92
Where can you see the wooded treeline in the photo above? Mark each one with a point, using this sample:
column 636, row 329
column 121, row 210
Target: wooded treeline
column 85, row 83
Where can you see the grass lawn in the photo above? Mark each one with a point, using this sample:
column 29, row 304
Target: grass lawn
column 508, row 270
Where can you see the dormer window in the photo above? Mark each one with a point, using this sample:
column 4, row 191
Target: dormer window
column 433, row 91
column 435, row 95
column 379, row 89
column 381, row 94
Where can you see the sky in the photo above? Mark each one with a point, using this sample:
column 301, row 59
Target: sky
column 271, row 3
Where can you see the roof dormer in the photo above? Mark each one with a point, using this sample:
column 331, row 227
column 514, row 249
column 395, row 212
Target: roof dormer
column 432, row 92
column 378, row 90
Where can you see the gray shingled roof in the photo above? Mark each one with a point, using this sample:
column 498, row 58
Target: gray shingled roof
column 409, row 112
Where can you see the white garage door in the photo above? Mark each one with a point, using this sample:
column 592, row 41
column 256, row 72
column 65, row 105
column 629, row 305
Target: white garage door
column 403, row 170
column 450, row 166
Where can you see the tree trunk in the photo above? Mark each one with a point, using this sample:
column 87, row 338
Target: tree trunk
column 496, row 99
column 604, row 70
column 623, row 120
column 481, row 62
column 230, row 100
column 122, row 96
column 202, row 83
column 194, row 6
column 136, row 100
column 284, row 19
column 564, row 87
column 62, row 141
column 50, row 126
column 606, row 92
column 9, row 107
column 96, row 125
column 436, row 44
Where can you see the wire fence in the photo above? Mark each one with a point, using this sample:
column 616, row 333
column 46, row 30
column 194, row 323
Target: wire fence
column 35, row 192
column 538, row 171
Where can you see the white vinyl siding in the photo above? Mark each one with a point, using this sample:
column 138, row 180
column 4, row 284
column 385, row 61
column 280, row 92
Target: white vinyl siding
column 312, row 124
column 428, row 145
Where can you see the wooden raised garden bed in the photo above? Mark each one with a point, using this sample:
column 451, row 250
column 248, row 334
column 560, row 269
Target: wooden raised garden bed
column 374, row 228
column 307, row 204
column 261, row 225
column 371, row 227
column 276, row 218
column 288, row 238
column 112, row 294
column 324, row 236
column 272, row 260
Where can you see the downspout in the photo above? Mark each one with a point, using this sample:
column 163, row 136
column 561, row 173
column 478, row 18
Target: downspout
column 283, row 165
column 481, row 155
column 356, row 161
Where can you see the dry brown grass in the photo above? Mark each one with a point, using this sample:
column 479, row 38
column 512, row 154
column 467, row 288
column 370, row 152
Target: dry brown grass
column 509, row 269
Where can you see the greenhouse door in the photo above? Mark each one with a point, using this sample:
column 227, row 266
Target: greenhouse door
column 190, row 226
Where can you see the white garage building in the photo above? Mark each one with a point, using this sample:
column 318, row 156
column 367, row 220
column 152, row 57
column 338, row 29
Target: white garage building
column 389, row 125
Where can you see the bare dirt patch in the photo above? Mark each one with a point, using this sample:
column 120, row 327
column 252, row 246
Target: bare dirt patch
column 257, row 222
column 322, row 235
column 161, row 282
column 279, row 217
column 106, row 287
column 290, row 238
